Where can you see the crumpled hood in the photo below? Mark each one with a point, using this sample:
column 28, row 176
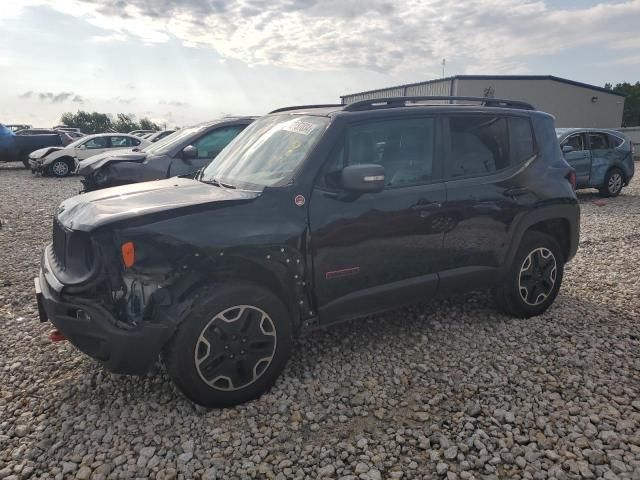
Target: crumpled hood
column 91, row 164
column 43, row 152
column 89, row 211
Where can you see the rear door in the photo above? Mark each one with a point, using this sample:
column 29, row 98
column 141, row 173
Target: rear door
column 485, row 194
column 579, row 158
column 209, row 146
column 604, row 155
column 381, row 249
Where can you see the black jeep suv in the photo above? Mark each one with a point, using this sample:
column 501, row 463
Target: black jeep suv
column 312, row 215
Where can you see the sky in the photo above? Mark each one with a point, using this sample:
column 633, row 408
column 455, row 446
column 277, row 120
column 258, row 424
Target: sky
column 179, row 62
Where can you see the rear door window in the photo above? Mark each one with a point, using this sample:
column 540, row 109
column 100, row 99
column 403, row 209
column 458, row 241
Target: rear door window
column 96, row 143
column 598, row 141
column 120, row 142
column 479, row 145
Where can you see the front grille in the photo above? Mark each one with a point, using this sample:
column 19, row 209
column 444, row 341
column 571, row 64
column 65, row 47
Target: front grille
column 59, row 244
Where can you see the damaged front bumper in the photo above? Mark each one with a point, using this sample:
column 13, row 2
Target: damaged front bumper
column 92, row 328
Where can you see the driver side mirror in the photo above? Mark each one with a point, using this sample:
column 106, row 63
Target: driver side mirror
column 82, row 147
column 567, row 149
column 364, row 178
column 189, row 152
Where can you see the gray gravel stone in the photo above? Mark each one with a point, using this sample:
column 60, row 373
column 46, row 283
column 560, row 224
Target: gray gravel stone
column 396, row 395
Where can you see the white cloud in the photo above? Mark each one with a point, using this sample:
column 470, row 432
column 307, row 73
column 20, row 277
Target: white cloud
column 485, row 35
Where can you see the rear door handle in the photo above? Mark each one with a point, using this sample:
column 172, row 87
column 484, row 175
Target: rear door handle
column 516, row 192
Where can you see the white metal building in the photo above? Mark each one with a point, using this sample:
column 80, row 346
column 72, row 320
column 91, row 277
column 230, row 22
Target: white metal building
column 574, row 104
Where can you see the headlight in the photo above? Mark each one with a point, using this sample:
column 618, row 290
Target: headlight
column 100, row 177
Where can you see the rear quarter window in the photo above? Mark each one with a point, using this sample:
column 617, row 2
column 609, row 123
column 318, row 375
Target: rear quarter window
column 615, row 141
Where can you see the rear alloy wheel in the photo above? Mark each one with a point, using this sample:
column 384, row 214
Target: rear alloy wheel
column 534, row 278
column 613, row 183
column 537, row 276
column 231, row 347
column 60, row 168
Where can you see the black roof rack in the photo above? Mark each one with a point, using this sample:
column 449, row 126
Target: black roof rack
column 300, row 107
column 394, row 102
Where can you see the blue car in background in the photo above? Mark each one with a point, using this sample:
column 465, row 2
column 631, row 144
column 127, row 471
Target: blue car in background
column 602, row 159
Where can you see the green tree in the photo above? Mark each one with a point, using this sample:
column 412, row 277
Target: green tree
column 631, row 114
column 146, row 124
column 93, row 122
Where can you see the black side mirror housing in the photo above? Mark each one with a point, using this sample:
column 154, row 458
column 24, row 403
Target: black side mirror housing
column 567, row 149
column 364, row 178
column 189, row 152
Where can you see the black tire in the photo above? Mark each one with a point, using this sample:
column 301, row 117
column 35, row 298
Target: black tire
column 62, row 167
column 24, row 158
column 523, row 282
column 613, row 183
column 204, row 328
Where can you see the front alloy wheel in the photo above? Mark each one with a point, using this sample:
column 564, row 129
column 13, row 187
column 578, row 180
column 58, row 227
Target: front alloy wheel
column 60, row 168
column 235, row 348
column 537, row 276
column 231, row 346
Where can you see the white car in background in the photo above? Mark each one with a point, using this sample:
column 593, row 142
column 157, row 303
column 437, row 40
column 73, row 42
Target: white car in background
column 63, row 161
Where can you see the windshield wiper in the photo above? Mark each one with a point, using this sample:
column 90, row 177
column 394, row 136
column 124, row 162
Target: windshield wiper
column 218, row 183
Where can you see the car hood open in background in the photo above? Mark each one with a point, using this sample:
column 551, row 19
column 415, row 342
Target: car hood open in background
column 92, row 210
column 91, row 164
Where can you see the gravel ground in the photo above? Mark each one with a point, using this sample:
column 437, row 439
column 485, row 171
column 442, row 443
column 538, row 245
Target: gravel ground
column 448, row 390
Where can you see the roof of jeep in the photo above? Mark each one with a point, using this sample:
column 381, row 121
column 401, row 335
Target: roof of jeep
column 402, row 103
column 339, row 109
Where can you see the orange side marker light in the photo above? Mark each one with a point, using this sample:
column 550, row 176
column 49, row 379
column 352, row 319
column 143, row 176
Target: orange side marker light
column 128, row 254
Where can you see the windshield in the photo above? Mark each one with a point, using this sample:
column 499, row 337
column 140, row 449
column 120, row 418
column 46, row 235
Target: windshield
column 80, row 141
column 167, row 144
column 267, row 153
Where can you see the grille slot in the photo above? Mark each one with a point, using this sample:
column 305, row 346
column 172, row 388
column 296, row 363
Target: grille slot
column 59, row 244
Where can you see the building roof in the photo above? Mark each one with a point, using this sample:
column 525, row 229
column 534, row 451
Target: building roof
column 495, row 77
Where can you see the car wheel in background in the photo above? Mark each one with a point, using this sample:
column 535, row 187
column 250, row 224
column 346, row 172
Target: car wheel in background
column 534, row 278
column 60, row 168
column 232, row 347
column 24, row 158
column 613, row 183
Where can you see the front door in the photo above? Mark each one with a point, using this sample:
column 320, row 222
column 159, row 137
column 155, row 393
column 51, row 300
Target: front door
column 484, row 194
column 579, row 158
column 209, row 146
column 384, row 249
column 93, row 146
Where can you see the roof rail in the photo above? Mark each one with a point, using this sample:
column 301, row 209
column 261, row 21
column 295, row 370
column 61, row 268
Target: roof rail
column 394, row 102
column 299, row 107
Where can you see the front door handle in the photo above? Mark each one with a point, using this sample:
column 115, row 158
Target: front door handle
column 424, row 205
column 516, row 192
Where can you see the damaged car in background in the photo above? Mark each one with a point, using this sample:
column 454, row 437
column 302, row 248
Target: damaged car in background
column 61, row 162
column 603, row 158
column 181, row 153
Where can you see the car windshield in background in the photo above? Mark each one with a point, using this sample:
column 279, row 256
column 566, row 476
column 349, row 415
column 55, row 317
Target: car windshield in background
column 169, row 142
column 267, row 153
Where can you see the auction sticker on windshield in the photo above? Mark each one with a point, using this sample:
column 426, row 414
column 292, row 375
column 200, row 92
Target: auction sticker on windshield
column 300, row 126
